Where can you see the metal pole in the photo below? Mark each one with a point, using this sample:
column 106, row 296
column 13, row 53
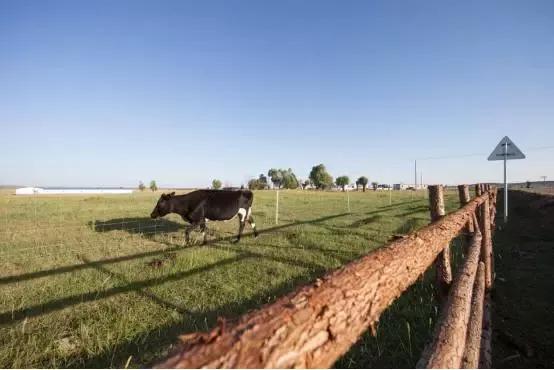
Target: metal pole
column 415, row 174
column 277, row 207
column 390, row 195
column 505, row 184
column 348, row 200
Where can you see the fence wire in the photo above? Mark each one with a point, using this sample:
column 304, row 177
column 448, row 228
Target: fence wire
column 38, row 227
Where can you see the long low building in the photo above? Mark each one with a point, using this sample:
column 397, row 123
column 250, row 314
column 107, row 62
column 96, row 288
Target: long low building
column 33, row 191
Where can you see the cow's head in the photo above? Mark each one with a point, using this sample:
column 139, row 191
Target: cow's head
column 163, row 207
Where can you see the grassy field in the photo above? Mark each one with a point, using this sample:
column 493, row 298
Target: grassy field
column 91, row 281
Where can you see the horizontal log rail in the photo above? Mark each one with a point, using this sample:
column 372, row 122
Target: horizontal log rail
column 319, row 322
column 448, row 344
column 473, row 343
column 462, row 337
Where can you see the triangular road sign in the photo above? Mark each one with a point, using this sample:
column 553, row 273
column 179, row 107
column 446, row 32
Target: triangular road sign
column 506, row 149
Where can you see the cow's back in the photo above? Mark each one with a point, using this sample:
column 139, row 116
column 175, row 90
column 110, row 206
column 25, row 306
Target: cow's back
column 225, row 204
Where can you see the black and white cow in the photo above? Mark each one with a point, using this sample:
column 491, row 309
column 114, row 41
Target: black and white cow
column 199, row 206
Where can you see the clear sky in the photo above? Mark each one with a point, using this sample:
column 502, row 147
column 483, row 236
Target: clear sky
column 107, row 93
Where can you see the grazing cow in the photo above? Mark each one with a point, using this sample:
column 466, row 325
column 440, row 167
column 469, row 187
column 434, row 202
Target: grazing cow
column 201, row 205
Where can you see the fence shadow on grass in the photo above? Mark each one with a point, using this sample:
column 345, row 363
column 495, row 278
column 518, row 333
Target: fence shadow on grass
column 172, row 248
column 400, row 204
column 150, row 345
column 146, row 348
column 8, row 317
column 423, row 209
column 136, row 225
column 406, row 327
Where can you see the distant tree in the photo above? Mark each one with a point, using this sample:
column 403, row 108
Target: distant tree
column 306, row 183
column 216, row 184
column 362, row 181
column 153, row 185
column 282, row 178
column 289, row 179
column 342, row 181
column 141, row 186
column 262, row 179
column 276, row 177
column 320, row 177
column 374, row 185
column 258, row 184
column 253, row 184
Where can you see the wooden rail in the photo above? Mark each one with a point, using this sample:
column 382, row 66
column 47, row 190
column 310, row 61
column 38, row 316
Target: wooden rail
column 319, row 322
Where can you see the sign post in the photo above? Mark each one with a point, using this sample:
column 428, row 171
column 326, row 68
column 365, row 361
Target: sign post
column 504, row 151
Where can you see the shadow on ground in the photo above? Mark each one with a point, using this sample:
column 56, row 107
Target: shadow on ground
column 523, row 303
column 137, row 225
column 9, row 317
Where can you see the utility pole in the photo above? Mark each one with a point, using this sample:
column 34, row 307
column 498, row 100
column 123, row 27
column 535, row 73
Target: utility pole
column 415, row 174
column 505, row 183
column 543, row 180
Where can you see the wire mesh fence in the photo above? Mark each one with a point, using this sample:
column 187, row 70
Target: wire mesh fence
column 74, row 258
column 38, row 226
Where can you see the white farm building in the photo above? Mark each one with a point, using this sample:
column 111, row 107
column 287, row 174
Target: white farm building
column 46, row 191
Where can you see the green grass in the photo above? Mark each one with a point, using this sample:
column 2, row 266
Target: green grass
column 91, row 281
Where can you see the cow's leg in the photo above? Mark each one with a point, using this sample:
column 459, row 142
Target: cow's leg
column 242, row 221
column 204, row 229
column 188, row 229
column 251, row 222
column 196, row 219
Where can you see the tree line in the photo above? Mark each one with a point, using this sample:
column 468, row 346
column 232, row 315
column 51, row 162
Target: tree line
column 318, row 178
column 152, row 186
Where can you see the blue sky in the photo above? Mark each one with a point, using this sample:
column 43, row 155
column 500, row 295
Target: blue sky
column 113, row 92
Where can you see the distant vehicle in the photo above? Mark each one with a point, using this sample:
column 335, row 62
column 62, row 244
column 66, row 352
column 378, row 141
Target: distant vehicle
column 383, row 187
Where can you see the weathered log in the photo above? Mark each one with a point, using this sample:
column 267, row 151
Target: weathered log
column 443, row 267
column 485, row 358
column 473, row 338
column 463, row 193
column 478, row 191
column 316, row 324
column 492, row 206
column 446, row 349
column 486, row 252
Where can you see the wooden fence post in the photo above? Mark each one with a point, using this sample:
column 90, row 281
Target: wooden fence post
column 486, row 251
column 492, row 200
column 463, row 193
column 442, row 263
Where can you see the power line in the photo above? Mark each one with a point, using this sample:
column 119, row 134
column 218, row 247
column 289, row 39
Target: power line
column 535, row 149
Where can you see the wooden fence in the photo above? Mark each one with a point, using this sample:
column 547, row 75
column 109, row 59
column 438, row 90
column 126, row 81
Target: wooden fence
column 316, row 324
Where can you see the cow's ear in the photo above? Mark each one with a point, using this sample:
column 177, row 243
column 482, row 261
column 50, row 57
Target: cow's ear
column 164, row 196
column 172, row 194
